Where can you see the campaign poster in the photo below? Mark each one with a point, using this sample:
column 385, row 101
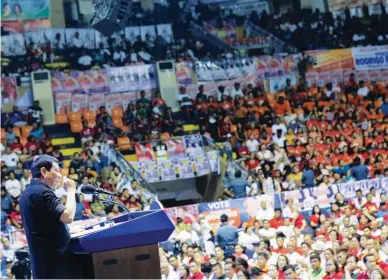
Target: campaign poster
column 13, row 44
column 96, row 100
column 214, row 161
column 188, row 213
column 113, row 100
column 21, row 26
column 68, row 80
column 186, row 168
column 184, row 72
column 201, row 165
column 194, row 145
column 176, row 148
column 348, row 190
column 151, row 171
column 168, row 170
column 56, row 36
column 8, row 90
column 362, row 76
column 324, row 78
column 79, row 102
column 312, row 79
column 165, row 31
column 131, row 33
column 144, row 152
column 99, row 79
column 239, row 211
column 120, row 79
column 25, row 10
column 337, row 77
column 376, row 75
column 101, row 39
column 147, row 31
column 127, row 98
column 328, row 60
column 305, row 199
column 262, row 68
column 62, row 102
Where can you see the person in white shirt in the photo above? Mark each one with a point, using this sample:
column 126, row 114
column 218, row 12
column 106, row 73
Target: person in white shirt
column 265, row 212
column 267, row 232
column 85, row 60
column 287, row 229
column 252, row 144
column 25, row 180
column 264, row 154
column 10, row 158
column 144, row 55
column 13, row 186
column 363, row 89
column 247, row 238
column 167, row 273
column 118, row 55
column 278, row 125
column 77, row 42
column 184, row 98
column 236, row 91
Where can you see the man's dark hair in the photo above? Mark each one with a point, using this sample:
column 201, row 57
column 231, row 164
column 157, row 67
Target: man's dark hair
column 224, row 218
column 315, row 256
column 350, row 256
column 241, row 261
column 289, row 266
column 206, row 268
column 255, row 271
column 238, row 174
column 45, row 161
column 233, row 258
column 366, row 257
column 262, row 254
column 342, row 250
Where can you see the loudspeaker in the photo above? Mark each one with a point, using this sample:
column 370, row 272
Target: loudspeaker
column 110, row 16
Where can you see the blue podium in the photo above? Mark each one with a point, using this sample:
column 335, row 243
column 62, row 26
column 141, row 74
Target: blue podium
column 126, row 246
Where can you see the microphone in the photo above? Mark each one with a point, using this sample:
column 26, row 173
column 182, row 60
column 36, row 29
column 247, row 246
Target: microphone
column 90, row 189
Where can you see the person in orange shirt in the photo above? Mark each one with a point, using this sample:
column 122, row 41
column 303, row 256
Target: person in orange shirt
column 282, row 106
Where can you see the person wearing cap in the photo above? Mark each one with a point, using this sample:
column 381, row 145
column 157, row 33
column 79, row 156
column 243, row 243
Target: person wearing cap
column 226, row 235
column 45, row 218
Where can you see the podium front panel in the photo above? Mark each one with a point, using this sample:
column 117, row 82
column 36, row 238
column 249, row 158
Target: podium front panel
column 140, row 262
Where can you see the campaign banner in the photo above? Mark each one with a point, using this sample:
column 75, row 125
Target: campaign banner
column 128, row 97
column 201, row 165
column 8, row 90
column 369, row 58
column 362, row 76
column 290, row 64
column 113, row 100
column 25, row 10
column 348, row 190
column 168, row 170
column 21, row 26
column 100, row 79
column 376, row 75
column 279, row 83
column 165, row 31
column 239, row 211
column 144, row 152
column 328, row 60
column 151, row 171
column 65, row 81
column 176, row 148
column 305, row 199
column 85, row 36
column 101, row 39
column 337, row 77
column 185, row 168
column 184, row 72
column 13, row 45
column 79, row 102
column 324, row 78
column 63, row 102
column 312, row 79
column 147, row 32
column 56, row 36
column 96, row 100
column 193, row 145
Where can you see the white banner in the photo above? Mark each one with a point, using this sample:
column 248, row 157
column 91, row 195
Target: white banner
column 349, row 189
column 165, row 31
column 370, row 58
column 96, row 100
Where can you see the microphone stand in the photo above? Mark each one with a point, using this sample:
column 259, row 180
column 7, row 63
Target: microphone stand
column 111, row 201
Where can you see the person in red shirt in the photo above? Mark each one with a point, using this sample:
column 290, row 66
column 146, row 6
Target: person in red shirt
column 332, row 270
column 280, row 243
column 16, row 217
column 277, row 221
column 195, row 271
column 16, row 146
column 383, row 265
column 87, row 132
column 243, row 151
column 32, row 144
column 372, row 207
column 314, row 218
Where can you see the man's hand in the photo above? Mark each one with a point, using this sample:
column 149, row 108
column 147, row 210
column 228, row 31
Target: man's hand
column 69, row 184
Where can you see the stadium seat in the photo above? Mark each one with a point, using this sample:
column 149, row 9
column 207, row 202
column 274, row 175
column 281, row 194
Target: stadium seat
column 61, row 118
column 91, row 123
column 76, row 127
column 26, row 130
column 17, row 131
column 23, row 140
column 118, row 122
column 124, row 143
column 75, row 116
column 117, row 112
column 89, row 115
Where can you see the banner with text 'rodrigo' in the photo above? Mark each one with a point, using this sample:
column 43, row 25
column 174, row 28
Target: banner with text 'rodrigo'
column 370, row 58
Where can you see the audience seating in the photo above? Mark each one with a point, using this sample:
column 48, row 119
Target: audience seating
column 76, row 127
column 117, row 112
column 23, row 140
column 124, row 143
column 118, row 122
column 89, row 115
column 17, row 131
column 61, row 118
column 75, row 116
column 3, row 135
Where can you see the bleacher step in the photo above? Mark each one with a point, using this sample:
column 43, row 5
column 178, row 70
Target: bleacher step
column 71, row 151
column 63, row 141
